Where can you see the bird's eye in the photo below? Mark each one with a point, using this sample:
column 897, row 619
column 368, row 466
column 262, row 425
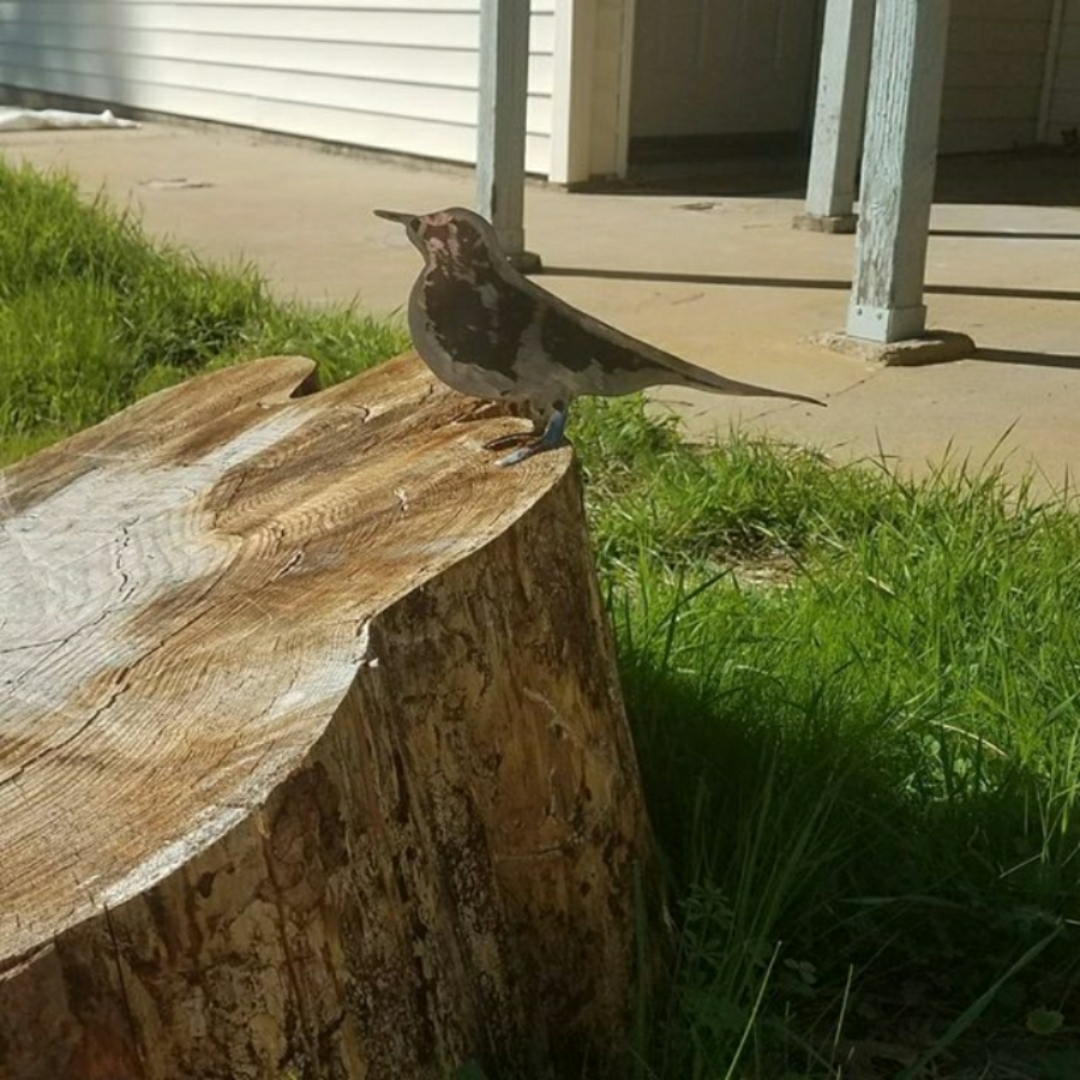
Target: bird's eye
column 414, row 225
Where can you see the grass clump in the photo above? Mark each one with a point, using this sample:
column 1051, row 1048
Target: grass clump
column 856, row 707
column 855, row 697
column 93, row 315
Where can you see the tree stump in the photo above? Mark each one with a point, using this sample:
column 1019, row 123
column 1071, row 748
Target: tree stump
column 313, row 761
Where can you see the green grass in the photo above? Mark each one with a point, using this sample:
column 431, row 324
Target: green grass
column 93, row 316
column 855, row 702
column 855, row 698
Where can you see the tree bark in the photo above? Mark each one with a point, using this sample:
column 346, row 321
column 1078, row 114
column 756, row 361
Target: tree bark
column 313, row 761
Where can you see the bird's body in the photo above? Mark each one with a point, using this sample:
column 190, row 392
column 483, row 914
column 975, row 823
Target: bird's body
column 487, row 331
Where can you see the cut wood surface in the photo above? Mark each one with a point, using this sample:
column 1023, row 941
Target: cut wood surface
column 312, row 755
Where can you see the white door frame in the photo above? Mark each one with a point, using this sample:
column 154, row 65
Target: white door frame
column 590, row 128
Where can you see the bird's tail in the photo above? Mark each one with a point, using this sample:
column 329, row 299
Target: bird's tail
column 708, row 380
column 684, row 374
column 622, row 364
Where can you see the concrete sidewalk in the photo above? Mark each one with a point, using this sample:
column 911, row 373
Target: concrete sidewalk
column 725, row 282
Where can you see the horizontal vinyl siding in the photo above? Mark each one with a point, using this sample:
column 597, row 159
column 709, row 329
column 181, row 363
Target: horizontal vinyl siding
column 993, row 74
column 1065, row 99
column 390, row 74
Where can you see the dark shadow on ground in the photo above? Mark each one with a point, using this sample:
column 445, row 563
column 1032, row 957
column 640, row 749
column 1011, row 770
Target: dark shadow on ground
column 1004, row 234
column 925, row 931
column 1034, row 359
column 796, row 283
column 1037, row 176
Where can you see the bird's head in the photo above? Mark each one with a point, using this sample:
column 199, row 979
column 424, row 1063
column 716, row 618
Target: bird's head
column 448, row 236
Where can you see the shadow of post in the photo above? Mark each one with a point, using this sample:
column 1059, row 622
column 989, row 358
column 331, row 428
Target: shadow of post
column 1033, row 359
column 748, row 281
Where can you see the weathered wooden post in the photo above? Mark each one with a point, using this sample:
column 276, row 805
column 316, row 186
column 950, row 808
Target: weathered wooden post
column 899, row 163
column 500, row 152
column 313, row 761
column 838, row 116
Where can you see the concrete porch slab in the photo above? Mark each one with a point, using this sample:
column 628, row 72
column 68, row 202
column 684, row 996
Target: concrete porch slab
column 723, row 281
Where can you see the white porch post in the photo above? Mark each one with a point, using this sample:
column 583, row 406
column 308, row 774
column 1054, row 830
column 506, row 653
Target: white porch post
column 572, row 92
column 899, row 160
column 500, row 150
column 590, row 126
column 838, row 116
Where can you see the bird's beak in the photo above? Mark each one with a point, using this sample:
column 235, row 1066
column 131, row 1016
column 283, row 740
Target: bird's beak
column 395, row 215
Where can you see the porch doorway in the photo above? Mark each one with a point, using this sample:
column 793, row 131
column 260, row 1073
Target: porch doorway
column 721, row 79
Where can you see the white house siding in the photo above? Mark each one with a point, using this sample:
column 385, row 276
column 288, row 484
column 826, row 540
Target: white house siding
column 1064, row 113
column 397, row 75
column 994, row 74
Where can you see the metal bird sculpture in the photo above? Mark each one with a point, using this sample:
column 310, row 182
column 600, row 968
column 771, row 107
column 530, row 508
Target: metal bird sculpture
column 487, row 331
